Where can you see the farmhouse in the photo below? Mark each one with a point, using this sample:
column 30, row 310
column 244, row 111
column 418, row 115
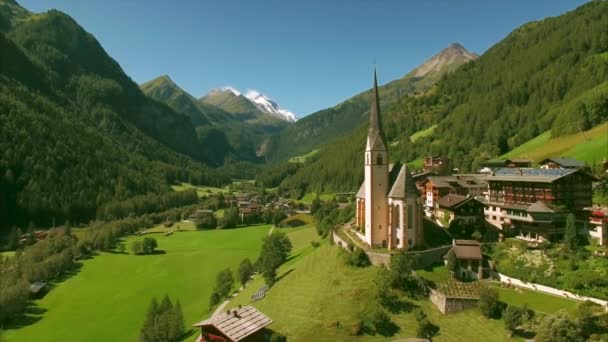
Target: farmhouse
column 242, row 324
column 389, row 207
column 511, row 163
column 465, row 209
column 436, row 187
column 561, row 163
column 468, row 257
column 438, row 165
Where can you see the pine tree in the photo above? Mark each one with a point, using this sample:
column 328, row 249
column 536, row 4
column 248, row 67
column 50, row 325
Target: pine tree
column 148, row 332
column 176, row 325
column 570, row 232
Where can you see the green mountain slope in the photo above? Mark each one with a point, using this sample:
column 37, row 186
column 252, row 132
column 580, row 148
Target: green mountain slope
column 544, row 76
column 77, row 133
column 589, row 146
column 326, row 125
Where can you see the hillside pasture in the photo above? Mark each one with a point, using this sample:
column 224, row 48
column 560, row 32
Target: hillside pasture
column 589, row 146
column 201, row 191
column 319, row 298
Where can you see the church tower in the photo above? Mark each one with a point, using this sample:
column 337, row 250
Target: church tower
column 376, row 177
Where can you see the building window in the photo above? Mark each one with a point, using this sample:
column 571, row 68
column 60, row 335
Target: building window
column 380, row 227
column 379, row 159
column 409, row 242
column 397, row 241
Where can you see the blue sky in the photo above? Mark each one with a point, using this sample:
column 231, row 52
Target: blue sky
column 306, row 55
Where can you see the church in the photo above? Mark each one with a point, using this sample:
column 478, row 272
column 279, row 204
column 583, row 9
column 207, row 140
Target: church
column 389, row 206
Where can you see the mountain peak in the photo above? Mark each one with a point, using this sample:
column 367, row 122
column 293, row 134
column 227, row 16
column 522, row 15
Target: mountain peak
column 454, row 55
column 267, row 105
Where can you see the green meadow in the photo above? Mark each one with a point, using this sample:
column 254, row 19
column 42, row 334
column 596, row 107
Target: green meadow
column 108, row 298
column 589, row 146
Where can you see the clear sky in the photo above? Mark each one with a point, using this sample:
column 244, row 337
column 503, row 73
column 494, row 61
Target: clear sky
column 306, row 55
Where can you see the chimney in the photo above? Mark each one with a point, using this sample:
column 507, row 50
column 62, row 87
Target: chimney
column 521, row 172
column 235, row 314
column 228, row 312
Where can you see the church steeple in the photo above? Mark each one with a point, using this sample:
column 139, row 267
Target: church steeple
column 375, row 135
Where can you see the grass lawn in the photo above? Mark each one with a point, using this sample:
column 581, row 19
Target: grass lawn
column 422, row 133
column 574, row 145
column 107, row 300
column 416, row 164
column 303, row 158
column 316, row 290
column 201, row 191
column 7, row 254
column 539, row 302
column 307, row 199
column 437, row 274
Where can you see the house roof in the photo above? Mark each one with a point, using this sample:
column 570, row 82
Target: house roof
column 456, row 181
column 467, row 249
column 236, row 327
column 564, row 162
column 453, row 200
column 361, row 192
column 540, row 207
column 531, row 175
column 404, row 185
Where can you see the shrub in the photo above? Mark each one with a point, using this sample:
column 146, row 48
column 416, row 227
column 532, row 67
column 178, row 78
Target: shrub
column 315, row 244
column 488, row 302
column 358, row 258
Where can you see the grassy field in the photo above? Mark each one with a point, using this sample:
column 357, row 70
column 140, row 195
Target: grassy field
column 303, row 158
column 201, row 191
column 7, row 254
column 422, row 133
column 593, row 149
column 108, row 298
column 317, row 298
column 307, row 199
column 536, row 301
column 416, row 164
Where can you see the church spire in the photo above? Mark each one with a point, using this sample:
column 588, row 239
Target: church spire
column 375, row 135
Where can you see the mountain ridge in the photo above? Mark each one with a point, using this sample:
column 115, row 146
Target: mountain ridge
column 324, row 126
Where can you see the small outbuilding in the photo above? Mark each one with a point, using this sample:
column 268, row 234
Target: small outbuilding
column 561, row 163
column 469, row 258
column 242, row 324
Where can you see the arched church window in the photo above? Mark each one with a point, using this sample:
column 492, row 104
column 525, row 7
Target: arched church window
column 379, row 159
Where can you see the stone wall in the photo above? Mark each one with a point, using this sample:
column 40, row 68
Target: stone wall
column 550, row 290
column 426, row 258
column 449, row 305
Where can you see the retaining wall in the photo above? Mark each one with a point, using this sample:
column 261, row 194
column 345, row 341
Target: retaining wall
column 550, row 290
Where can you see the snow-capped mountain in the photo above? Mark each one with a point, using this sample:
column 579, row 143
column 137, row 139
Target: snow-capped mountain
column 265, row 104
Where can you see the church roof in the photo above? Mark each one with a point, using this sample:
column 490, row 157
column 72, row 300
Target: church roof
column 375, row 135
column 404, row 185
column 361, row 192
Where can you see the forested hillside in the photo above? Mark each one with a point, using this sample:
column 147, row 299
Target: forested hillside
column 546, row 75
column 77, row 132
column 327, row 125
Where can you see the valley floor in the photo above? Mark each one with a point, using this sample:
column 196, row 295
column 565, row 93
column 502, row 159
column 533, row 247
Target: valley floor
column 108, row 298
